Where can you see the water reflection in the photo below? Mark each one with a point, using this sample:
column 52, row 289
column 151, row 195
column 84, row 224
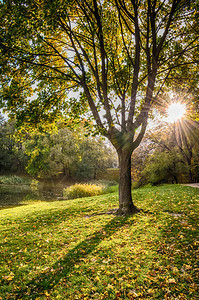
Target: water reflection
column 12, row 195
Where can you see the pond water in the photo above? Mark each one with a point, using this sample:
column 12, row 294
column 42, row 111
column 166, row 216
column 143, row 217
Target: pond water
column 13, row 195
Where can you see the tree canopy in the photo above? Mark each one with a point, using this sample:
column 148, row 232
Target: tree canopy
column 67, row 153
column 173, row 154
column 12, row 155
column 116, row 55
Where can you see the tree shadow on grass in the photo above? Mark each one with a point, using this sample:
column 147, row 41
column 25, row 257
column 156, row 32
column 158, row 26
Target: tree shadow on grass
column 62, row 268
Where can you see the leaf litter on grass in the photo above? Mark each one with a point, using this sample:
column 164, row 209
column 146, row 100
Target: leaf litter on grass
column 53, row 251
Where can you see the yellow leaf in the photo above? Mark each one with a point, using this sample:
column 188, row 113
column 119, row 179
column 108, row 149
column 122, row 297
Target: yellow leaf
column 110, row 286
column 97, row 278
column 175, row 270
column 187, row 267
column 150, row 291
column 171, row 280
column 9, row 277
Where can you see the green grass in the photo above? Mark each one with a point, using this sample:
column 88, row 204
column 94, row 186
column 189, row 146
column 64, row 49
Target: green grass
column 67, row 250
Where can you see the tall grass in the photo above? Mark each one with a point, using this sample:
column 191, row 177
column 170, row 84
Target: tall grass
column 94, row 188
column 82, row 190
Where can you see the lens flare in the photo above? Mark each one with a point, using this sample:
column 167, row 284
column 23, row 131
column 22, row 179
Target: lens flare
column 176, row 111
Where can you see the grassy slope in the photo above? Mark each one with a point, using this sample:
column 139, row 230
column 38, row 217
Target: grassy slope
column 57, row 251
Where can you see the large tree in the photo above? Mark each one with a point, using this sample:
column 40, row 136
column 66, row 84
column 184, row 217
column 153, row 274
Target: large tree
column 116, row 55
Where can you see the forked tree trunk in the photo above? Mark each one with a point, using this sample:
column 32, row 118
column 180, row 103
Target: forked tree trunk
column 126, row 206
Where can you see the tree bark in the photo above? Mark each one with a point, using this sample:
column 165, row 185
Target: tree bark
column 190, row 176
column 126, row 206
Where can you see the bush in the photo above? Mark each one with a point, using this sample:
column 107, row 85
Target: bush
column 82, row 190
column 135, row 185
column 15, row 180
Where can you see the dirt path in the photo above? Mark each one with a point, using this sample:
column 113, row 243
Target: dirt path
column 196, row 185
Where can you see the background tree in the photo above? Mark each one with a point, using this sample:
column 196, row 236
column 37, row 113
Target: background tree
column 118, row 55
column 12, row 154
column 181, row 140
column 174, row 155
column 160, row 167
column 95, row 157
column 139, row 157
column 67, row 152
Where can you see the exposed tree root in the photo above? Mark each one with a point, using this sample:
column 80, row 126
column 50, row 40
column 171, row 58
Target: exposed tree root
column 109, row 212
column 127, row 210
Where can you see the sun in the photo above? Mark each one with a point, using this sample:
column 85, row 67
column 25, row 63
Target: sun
column 175, row 112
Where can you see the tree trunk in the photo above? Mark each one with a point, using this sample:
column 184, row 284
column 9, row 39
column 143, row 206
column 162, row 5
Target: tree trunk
column 190, row 176
column 126, row 206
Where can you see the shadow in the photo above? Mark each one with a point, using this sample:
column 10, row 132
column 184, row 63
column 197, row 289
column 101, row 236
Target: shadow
column 62, row 268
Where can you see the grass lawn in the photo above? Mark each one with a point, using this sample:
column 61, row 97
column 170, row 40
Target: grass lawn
column 65, row 250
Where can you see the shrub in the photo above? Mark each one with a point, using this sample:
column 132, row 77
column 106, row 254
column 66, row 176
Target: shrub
column 34, row 185
column 135, row 185
column 15, row 180
column 82, row 190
